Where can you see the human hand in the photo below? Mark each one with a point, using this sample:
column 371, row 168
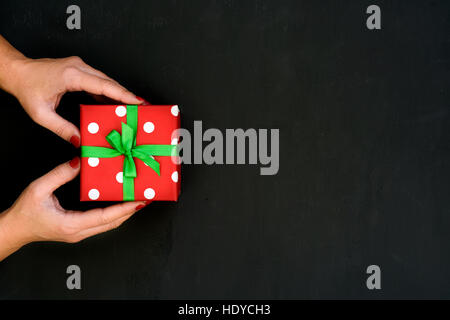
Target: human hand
column 40, row 84
column 37, row 215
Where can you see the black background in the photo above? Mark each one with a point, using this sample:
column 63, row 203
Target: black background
column 364, row 149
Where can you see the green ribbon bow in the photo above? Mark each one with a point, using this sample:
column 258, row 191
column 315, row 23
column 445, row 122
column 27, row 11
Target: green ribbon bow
column 125, row 144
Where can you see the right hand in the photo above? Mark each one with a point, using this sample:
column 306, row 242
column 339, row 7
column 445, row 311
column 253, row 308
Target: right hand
column 37, row 215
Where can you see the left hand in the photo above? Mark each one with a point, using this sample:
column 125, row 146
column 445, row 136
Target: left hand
column 40, row 84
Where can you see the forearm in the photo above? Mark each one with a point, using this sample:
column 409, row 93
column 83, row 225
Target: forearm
column 10, row 60
column 11, row 238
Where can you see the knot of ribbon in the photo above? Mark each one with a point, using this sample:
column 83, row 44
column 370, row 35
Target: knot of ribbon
column 125, row 144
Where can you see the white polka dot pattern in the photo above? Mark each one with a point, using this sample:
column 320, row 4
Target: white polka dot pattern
column 175, row 176
column 175, row 110
column 119, row 177
column 149, row 127
column 149, row 193
column 121, row 111
column 93, row 127
column 94, row 194
column 93, row 162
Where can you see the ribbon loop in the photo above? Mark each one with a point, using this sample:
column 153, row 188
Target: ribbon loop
column 114, row 139
column 127, row 137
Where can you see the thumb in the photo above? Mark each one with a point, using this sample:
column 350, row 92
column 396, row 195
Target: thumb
column 60, row 126
column 59, row 176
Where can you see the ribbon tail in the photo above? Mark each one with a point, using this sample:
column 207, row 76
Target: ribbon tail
column 148, row 160
column 128, row 188
column 152, row 163
column 129, row 167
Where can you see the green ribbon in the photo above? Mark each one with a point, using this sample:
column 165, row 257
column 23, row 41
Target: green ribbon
column 125, row 144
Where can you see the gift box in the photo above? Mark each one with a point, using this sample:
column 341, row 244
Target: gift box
column 129, row 152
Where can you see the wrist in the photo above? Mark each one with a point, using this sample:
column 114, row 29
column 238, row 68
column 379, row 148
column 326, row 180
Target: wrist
column 11, row 61
column 12, row 234
column 11, row 73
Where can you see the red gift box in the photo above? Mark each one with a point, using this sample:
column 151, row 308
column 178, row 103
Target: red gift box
column 102, row 179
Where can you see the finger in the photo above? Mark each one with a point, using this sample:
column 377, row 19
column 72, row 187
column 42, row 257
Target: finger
column 60, row 126
column 98, row 73
column 144, row 102
column 90, row 83
column 78, row 63
column 58, row 176
column 103, row 228
column 87, row 68
column 101, row 216
column 103, row 99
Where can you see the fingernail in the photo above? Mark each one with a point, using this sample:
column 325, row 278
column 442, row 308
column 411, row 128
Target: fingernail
column 74, row 162
column 146, row 203
column 139, row 98
column 75, row 141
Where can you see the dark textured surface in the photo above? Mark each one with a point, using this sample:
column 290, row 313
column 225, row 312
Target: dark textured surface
column 364, row 163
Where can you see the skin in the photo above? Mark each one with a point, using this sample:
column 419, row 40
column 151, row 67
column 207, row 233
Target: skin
column 39, row 84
